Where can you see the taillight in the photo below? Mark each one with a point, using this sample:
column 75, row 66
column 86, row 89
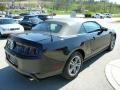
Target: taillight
column 10, row 44
column 22, row 49
column 30, row 51
column 33, row 51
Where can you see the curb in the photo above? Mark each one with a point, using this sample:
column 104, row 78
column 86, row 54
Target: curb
column 113, row 76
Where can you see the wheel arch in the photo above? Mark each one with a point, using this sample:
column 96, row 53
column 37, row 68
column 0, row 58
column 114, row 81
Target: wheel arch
column 114, row 35
column 77, row 50
column 81, row 51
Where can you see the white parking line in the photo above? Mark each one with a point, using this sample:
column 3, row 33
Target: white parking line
column 2, row 54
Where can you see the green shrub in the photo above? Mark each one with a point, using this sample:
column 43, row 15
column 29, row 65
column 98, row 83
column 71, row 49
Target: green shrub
column 2, row 7
column 87, row 15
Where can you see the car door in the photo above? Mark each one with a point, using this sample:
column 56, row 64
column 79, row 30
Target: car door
column 86, row 41
column 98, row 39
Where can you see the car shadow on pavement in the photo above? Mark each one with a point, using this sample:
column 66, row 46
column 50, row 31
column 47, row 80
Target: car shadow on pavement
column 12, row 80
column 89, row 62
column 3, row 37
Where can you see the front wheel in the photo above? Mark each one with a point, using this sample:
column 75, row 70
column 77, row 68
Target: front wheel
column 0, row 34
column 112, row 43
column 73, row 66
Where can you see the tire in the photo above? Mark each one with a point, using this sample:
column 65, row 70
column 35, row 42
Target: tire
column 112, row 43
column 73, row 66
column 0, row 34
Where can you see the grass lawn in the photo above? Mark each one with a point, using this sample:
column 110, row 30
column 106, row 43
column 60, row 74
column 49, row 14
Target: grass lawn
column 118, row 21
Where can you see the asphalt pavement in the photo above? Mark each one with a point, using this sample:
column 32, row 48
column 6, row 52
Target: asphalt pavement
column 92, row 77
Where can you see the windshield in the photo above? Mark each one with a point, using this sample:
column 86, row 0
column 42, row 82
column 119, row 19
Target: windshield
column 7, row 21
column 47, row 27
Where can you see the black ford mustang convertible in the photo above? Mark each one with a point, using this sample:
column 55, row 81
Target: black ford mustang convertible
column 57, row 46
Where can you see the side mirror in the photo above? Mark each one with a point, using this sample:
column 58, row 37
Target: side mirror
column 104, row 29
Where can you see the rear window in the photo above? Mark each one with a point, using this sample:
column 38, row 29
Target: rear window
column 47, row 27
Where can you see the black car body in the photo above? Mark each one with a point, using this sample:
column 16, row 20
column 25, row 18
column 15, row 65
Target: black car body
column 28, row 24
column 49, row 48
column 24, row 14
column 43, row 17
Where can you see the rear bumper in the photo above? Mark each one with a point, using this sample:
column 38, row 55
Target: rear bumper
column 41, row 68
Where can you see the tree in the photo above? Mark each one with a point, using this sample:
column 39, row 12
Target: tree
column 2, row 7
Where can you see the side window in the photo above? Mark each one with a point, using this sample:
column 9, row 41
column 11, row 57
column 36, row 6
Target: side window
column 55, row 27
column 82, row 29
column 91, row 26
column 41, row 27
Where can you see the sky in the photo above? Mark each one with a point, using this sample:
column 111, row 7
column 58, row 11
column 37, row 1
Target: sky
column 117, row 1
column 114, row 1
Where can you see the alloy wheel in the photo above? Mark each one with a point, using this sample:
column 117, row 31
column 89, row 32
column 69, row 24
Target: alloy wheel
column 74, row 66
column 112, row 42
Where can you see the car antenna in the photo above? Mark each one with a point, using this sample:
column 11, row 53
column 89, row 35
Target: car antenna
column 52, row 18
column 51, row 35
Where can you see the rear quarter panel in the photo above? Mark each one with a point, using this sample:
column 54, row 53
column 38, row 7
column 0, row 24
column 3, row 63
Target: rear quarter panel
column 62, row 48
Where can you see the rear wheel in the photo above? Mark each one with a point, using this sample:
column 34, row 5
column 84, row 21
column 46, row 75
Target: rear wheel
column 112, row 43
column 73, row 66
